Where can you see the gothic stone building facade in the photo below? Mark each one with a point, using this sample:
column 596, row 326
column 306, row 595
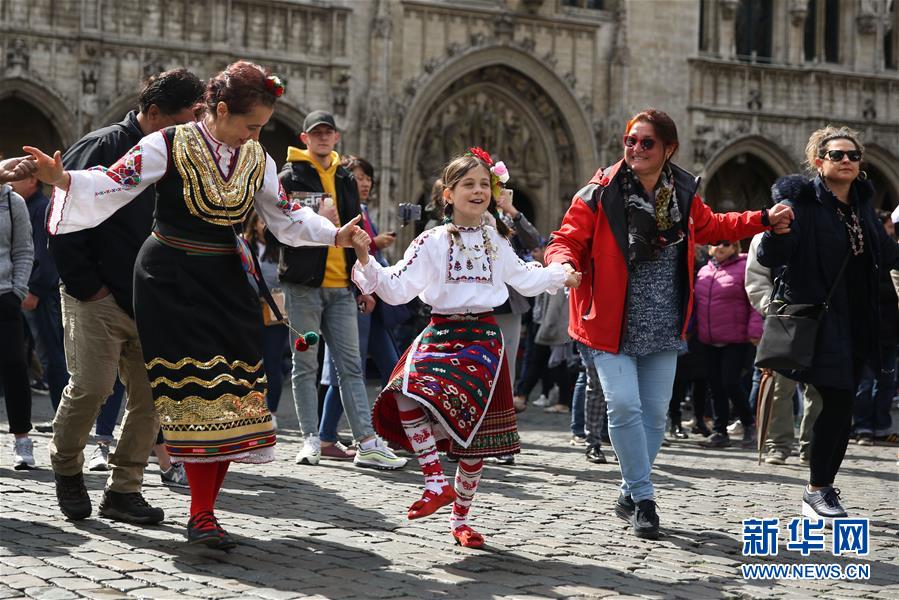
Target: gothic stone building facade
column 547, row 85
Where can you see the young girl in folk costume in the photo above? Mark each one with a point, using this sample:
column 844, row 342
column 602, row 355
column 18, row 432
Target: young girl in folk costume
column 197, row 315
column 453, row 381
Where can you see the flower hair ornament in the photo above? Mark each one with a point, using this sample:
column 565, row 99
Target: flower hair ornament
column 274, row 84
column 499, row 173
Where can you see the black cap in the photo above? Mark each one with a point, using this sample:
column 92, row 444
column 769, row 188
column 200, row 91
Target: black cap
column 318, row 117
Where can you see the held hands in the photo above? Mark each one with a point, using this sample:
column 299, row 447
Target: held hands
column 361, row 243
column 344, row 238
column 573, row 279
column 14, row 169
column 780, row 216
column 49, row 169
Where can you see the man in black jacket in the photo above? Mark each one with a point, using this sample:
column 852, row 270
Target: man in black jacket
column 319, row 296
column 96, row 267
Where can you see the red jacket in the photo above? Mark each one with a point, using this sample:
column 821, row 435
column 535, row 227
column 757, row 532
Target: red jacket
column 593, row 238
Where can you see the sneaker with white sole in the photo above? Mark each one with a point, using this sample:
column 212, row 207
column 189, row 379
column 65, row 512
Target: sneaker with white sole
column 311, row 452
column 176, row 476
column 99, row 460
column 337, row 451
column 377, row 456
column 735, row 428
column 823, row 504
column 542, row 401
column 23, row 454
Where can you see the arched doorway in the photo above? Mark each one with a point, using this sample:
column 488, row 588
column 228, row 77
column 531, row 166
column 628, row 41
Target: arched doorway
column 276, row 136
column 742, row 183
column 24, row 124
column 505, row 112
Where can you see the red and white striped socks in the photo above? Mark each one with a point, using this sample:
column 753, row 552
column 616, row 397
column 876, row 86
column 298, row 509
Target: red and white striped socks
column 468, row 474
column 421, row 436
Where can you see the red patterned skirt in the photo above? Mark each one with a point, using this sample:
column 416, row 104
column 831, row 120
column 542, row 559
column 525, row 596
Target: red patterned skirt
column 456, row 369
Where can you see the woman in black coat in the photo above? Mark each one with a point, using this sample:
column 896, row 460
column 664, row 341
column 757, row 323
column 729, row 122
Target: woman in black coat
column 834, row 221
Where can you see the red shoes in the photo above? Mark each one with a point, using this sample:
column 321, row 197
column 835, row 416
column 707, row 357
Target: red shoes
column 430, row 502
column 467, row 537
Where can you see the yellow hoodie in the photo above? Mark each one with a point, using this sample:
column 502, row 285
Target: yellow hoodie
column 335, row 268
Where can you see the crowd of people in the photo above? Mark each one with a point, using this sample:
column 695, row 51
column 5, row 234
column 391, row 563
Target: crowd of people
column 174, row 264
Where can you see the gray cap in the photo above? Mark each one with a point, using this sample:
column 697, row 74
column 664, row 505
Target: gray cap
column 318, row 117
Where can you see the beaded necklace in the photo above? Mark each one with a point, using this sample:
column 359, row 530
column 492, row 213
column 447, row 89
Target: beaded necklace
column 474, row 252
column 853, row 230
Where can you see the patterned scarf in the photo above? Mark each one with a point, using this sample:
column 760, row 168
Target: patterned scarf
column 651, row 226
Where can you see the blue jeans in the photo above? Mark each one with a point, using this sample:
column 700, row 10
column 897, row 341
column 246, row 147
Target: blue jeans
column 109, row 413
column 578, row 400
column 637, row 391
column 274, row 342
column 333, row 312
column 379, row 344
column 875, row 395
column 45, row 323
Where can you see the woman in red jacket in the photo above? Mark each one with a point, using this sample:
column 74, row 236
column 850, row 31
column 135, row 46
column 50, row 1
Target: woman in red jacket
column 726, row 324
column 631, row 231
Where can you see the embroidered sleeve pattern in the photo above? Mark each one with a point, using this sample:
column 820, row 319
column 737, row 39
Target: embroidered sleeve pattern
column 291, row 223
column 126, row 172
column 97, row 193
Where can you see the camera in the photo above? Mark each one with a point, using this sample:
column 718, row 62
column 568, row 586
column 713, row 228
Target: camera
column 409, row 212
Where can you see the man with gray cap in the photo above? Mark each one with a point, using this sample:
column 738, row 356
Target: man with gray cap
column 319, row 296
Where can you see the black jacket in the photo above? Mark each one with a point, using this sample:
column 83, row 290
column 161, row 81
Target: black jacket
column 306, row 265
column 105, row 254
column 44, row 279
column 813, row 252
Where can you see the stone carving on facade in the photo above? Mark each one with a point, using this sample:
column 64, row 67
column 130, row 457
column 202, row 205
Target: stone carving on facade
column 754, row 102
column 728, row 8
column 870, row 13
column 869, row 112
column 504, row 28
column 570, row 80
column 17, row 58
column 798, row 12
column 382, row 26
column 480, row 116
column 340, row 92
column 531, row 6
column 527, row 44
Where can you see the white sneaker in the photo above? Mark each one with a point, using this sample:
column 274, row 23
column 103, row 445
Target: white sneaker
column 735, row 428
column 311, row 452
column 99, row 460
column 274, row 422
column 23, row 454
column 378, row 456
column 541, row 401
column 175, row 476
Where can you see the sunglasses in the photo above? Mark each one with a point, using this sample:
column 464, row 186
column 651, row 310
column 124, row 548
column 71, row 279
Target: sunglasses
column 646, row 143
column 837, row 155
column 723, row 244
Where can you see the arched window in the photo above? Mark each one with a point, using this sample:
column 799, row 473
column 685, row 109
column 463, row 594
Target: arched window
column 753, row 30
column 822, row 31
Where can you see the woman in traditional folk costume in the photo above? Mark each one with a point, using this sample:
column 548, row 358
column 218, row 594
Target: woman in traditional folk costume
column 453, row 381
column 197, row 315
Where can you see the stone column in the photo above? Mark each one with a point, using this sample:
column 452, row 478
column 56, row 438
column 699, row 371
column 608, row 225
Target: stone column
column 796, row 35
column 726, row 28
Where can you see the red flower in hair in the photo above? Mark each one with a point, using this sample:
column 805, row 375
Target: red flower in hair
column 274, row 84
column 480, row 153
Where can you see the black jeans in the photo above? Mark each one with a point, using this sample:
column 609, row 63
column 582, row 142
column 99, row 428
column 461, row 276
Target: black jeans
column 13, row 368
column 830, row 434
column 725, row 364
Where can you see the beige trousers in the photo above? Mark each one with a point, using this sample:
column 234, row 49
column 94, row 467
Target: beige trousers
column 100, row 342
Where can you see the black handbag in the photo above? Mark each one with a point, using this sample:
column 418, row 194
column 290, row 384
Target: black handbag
column 788, row 339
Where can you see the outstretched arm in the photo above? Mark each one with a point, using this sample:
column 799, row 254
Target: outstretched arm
column 84, row 199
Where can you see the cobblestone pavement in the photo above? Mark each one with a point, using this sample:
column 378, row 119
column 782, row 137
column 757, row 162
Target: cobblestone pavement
column 337, row 531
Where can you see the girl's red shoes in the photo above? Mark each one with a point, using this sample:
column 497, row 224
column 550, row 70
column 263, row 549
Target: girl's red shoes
column 467, row 537
column 430, row 502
